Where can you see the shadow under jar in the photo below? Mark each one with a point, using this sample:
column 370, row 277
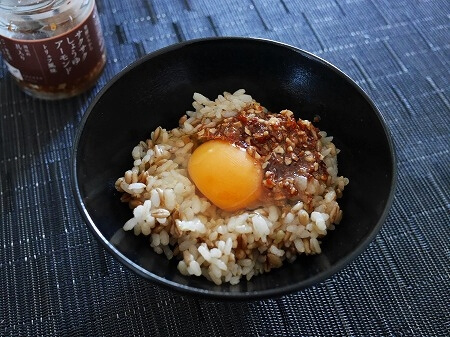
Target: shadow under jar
column 53, row 49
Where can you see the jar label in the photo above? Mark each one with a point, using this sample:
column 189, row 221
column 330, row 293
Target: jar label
column 61, row 61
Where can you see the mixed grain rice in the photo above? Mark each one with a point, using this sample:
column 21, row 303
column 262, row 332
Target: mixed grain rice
column 221, row 246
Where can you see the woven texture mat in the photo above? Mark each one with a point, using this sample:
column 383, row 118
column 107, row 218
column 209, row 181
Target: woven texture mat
column 56, row 280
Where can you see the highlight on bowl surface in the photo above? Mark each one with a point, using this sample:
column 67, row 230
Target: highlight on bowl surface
column 235, row 190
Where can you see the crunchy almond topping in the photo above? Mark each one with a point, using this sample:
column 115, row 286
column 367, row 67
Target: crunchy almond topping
column 278, row 149
column 284, row 146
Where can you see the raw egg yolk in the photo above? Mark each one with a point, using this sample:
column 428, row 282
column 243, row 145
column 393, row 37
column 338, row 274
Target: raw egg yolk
column 226, row 174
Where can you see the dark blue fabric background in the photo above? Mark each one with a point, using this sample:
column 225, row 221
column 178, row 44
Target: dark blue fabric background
column 56, row 280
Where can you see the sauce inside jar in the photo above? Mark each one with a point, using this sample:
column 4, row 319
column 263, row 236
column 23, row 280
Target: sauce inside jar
column 54, row 51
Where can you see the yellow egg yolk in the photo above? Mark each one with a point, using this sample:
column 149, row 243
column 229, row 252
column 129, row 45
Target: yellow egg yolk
column 226, row 174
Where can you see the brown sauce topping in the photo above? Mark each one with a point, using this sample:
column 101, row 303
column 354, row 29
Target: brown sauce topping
column 286, row 148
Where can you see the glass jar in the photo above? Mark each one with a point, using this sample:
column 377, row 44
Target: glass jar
column 53, row 48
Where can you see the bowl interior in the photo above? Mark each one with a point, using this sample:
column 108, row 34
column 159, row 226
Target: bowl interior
column 158, row 89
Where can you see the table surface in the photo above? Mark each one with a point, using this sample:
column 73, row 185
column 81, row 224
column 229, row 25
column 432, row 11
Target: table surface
column 56, row 279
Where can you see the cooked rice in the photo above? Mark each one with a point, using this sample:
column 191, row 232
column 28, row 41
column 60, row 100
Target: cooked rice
column 221, row 246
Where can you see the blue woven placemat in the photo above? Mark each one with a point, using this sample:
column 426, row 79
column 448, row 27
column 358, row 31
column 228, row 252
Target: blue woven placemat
column 56, row 280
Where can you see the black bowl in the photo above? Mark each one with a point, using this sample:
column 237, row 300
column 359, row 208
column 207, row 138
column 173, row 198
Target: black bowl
column 157, row 90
